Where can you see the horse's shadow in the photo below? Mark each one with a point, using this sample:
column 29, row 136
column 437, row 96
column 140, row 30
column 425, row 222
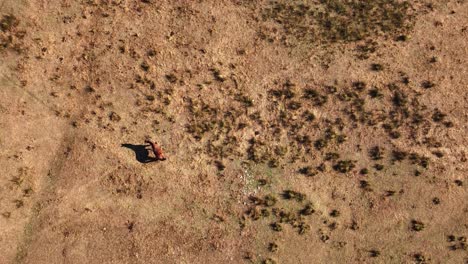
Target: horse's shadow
column 141, row 153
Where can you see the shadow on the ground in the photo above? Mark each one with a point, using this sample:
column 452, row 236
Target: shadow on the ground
column 141, row 153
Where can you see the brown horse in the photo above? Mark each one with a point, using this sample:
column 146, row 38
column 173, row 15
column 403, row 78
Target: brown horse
column 157, row 150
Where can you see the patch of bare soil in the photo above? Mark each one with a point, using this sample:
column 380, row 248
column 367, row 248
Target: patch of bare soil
column 296, row 131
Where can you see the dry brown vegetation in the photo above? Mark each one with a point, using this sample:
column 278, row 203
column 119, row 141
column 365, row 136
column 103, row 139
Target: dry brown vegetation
column 297, row 131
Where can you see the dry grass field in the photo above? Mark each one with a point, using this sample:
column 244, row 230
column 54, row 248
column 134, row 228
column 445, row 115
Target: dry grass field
column 296, row 131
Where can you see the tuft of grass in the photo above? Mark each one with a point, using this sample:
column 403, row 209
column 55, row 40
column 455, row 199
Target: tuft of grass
column 171, row 78
column 376, row 153
column 399, row 155
column 273, row 247
column 276, row 227
column 308, row 171
column 245, row 100
column 417, row 225
column 374, row 253
column 307, row 210
column 269, row 200
column 334, row 213
column 377, row 67
column 427, row 84
column 344, row 166
column 8, row 22
column 293, row 195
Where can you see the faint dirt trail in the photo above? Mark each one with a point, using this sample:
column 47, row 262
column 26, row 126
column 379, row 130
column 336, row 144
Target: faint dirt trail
column 46, row 196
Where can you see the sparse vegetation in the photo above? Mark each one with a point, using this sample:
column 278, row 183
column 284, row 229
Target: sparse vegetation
column 286, row 122
column 334, row 21
column 10, row 36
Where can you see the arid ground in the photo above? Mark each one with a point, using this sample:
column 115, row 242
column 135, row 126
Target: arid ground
column 296, row 131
